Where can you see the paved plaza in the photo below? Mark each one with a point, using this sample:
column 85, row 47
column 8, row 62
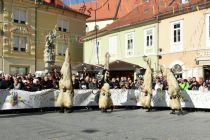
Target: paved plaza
column 93, row 125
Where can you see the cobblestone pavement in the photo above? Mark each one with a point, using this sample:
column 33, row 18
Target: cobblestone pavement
column 93, row 125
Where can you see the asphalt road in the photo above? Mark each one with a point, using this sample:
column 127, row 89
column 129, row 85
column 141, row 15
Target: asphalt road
column 93, row 125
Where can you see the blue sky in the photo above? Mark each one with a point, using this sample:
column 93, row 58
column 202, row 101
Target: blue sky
column 75, row 1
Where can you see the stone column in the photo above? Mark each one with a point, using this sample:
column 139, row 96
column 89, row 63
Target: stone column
column 49, row 52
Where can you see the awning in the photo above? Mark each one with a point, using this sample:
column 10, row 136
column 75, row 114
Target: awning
column 120, row 65
column 87, row 67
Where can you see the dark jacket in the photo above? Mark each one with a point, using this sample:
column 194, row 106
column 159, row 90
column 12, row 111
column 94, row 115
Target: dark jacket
column 6, row 84
column 47, row 84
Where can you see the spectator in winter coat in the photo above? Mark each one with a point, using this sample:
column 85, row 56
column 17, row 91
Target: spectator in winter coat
column 184, row 85
column 46, row 83
column 193, row 85
column 6, row 83
column 93, row 84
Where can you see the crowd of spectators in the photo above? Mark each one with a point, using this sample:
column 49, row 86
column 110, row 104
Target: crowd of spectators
column 32, row 82
column 115, row 83
column 185, row 84
column 194, row 84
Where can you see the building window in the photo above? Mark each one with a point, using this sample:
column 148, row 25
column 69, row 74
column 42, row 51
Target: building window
column 177, row 33
column 19, row 43
column 184, row 1
column 148, row 41
column 208, row 30
column 19, row 70
column 176, row 36
column 19, row 16
column 209, row 27
column 129, row 44
column 63, row 25
column 113, row 46
column 148, row 38
column 62, row 49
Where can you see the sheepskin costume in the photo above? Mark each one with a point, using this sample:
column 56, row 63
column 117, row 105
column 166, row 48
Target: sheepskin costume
column 105, row 100
column 174, row 91
column 66, row 95
column 146, row 93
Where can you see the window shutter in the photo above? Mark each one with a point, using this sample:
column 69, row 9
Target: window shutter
column 23, row 41
column 60, row 25
column 22, row 16
column 113, row 46
column 65, row 25
column 16, row 15
column 15, row 42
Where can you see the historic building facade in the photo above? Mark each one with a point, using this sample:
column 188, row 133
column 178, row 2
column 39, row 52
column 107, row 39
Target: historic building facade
column 132, row 39
column 24, row 25
column 173, row 34
column 184, row 40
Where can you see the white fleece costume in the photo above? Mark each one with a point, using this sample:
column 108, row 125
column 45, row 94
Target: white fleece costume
column 66, row 95
column 105, row 101
column 146, row 92
column 173, row 90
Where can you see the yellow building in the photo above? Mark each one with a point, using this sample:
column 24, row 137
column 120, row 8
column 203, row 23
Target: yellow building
column 24, row 25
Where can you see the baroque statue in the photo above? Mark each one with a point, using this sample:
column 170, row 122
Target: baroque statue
column 49, row 52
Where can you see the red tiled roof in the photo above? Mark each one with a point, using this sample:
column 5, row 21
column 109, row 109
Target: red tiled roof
column 60, row 4
column 106, row 9
column 148, row 11
column 56, row 3
column 177, row 4
column 127, row 6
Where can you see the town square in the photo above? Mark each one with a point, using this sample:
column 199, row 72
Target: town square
column 104, row 69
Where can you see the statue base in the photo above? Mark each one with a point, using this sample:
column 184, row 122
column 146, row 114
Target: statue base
column 49, row 66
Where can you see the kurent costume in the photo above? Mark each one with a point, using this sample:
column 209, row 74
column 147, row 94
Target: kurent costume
column 146, row 92
column 174, row 91
column 66, row 95
column 105, row 100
